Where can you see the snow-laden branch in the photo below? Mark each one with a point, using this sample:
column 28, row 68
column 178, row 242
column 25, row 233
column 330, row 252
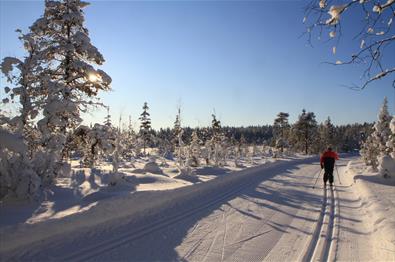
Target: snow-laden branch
column 376, row 32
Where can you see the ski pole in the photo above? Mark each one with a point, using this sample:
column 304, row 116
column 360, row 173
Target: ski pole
column 317, row 179
column 338, row 176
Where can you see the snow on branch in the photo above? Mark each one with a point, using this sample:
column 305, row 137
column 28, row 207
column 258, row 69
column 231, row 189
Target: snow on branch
column 375, row 36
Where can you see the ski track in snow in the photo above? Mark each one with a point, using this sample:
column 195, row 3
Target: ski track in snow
column 273, row 216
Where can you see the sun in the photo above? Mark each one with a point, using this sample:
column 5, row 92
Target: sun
column 93, row 77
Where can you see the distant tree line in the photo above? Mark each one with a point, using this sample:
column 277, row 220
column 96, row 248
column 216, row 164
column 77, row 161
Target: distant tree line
column 344, row 138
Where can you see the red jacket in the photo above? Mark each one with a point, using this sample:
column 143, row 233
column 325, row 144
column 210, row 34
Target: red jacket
column 328, row 154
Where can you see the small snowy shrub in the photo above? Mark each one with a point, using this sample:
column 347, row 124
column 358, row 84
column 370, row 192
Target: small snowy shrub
column 386, row 165
column 17, row 177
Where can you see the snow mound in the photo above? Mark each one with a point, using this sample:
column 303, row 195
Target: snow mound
column 386, row 166
column 188, row 175
column 169, row 156
column 152, row 167
column 376, row 194
column 214, row 171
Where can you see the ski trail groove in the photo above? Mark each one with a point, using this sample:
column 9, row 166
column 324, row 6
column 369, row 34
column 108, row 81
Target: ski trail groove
column 316, row 234
column 195, row 246
column 224, row 237
column 105, row 246
column 323, row 242
column 336, row 224
column 329, row 230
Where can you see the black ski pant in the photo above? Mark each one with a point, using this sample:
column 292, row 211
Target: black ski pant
column 328, row 175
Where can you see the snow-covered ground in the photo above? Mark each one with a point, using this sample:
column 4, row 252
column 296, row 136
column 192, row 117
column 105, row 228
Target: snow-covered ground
column 374, row 197
column 267, row 212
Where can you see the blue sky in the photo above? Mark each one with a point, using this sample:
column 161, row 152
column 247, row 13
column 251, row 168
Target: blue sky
column 242, row 59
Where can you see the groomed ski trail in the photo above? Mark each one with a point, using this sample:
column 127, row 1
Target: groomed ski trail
column 268, row 214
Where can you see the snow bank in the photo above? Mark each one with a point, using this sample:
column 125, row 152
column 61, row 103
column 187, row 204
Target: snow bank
column 386, row 166
column 128, row 207
column 188, row 175
column 377, row 195
column 153, row 167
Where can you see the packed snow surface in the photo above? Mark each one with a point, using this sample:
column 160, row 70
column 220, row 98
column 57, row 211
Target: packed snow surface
column 268, row 212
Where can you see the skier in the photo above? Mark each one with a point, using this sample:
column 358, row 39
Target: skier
column 327, row 161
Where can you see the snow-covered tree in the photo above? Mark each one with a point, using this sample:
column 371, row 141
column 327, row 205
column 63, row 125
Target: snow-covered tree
column 280, row 129
column 372, row 24
column 391, row 140
column 382, row 129
column 243, row 147
column 381, row 137
column 376, row 150
column 94, row 141
column 17, row 177
column 71, row 82
column 57, row 81
column 177, row 129
column 304, row 131
column 194, row 150
column 216, row 140
column 145, row 126
column 370, row 152
column 107, row 119
column 24, row 77
column 177, row 141
column 118, row 146
column 129, row 141
column 327, row 135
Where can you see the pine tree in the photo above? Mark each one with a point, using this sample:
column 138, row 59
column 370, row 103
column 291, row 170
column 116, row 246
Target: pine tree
column 107, row 119
column 70, row 81
column 382, row 129
column 129, row 139
column 381, row 136
column 194, row 149
column 216, row 140
column 18, row 176
column 177, row 129
column 58, row 81
column 280, row 128
column 25, row 86
column 177, row 140
column 243, row 147
column 370, row 152
column 327, row 135
column 305, row 131
column 391, row 140
column 376, row 145
column 93, row 141
column 145, row 126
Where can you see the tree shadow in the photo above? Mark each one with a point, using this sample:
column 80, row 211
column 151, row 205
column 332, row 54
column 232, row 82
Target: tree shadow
column 57, row 199
column 212, row 171
column 160, row 238
column 376, row 179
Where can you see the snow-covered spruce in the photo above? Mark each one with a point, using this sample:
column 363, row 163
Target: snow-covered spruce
column 55, row 81
column 304, row 132
column 194, row 151
column 377, row 151
column 280, row 130
column 177, row 141
column 100, row 139
column 327, row 135
column 391, row 140
column 145, row 127
column 17, row 177
column 71, row 81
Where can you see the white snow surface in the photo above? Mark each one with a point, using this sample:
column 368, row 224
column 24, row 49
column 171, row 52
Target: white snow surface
column 269, row 212
column 376, row 196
